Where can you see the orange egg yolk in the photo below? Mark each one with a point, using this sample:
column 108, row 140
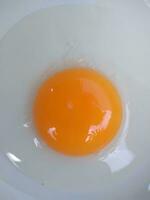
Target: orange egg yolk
column 77, row 111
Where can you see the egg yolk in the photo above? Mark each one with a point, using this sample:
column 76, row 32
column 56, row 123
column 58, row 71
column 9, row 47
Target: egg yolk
column 77, row 111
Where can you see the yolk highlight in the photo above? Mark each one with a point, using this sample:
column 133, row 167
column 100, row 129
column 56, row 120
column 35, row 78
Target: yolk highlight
column 77, row 111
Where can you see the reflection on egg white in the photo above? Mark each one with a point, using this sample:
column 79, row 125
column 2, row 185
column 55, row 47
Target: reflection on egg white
column 37, row 143
column 35, row 139
column 26, row 124
column 14, row 159
column 121, row 157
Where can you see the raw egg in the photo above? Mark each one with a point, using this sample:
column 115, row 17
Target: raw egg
column 63, row 133
column 77, row 111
